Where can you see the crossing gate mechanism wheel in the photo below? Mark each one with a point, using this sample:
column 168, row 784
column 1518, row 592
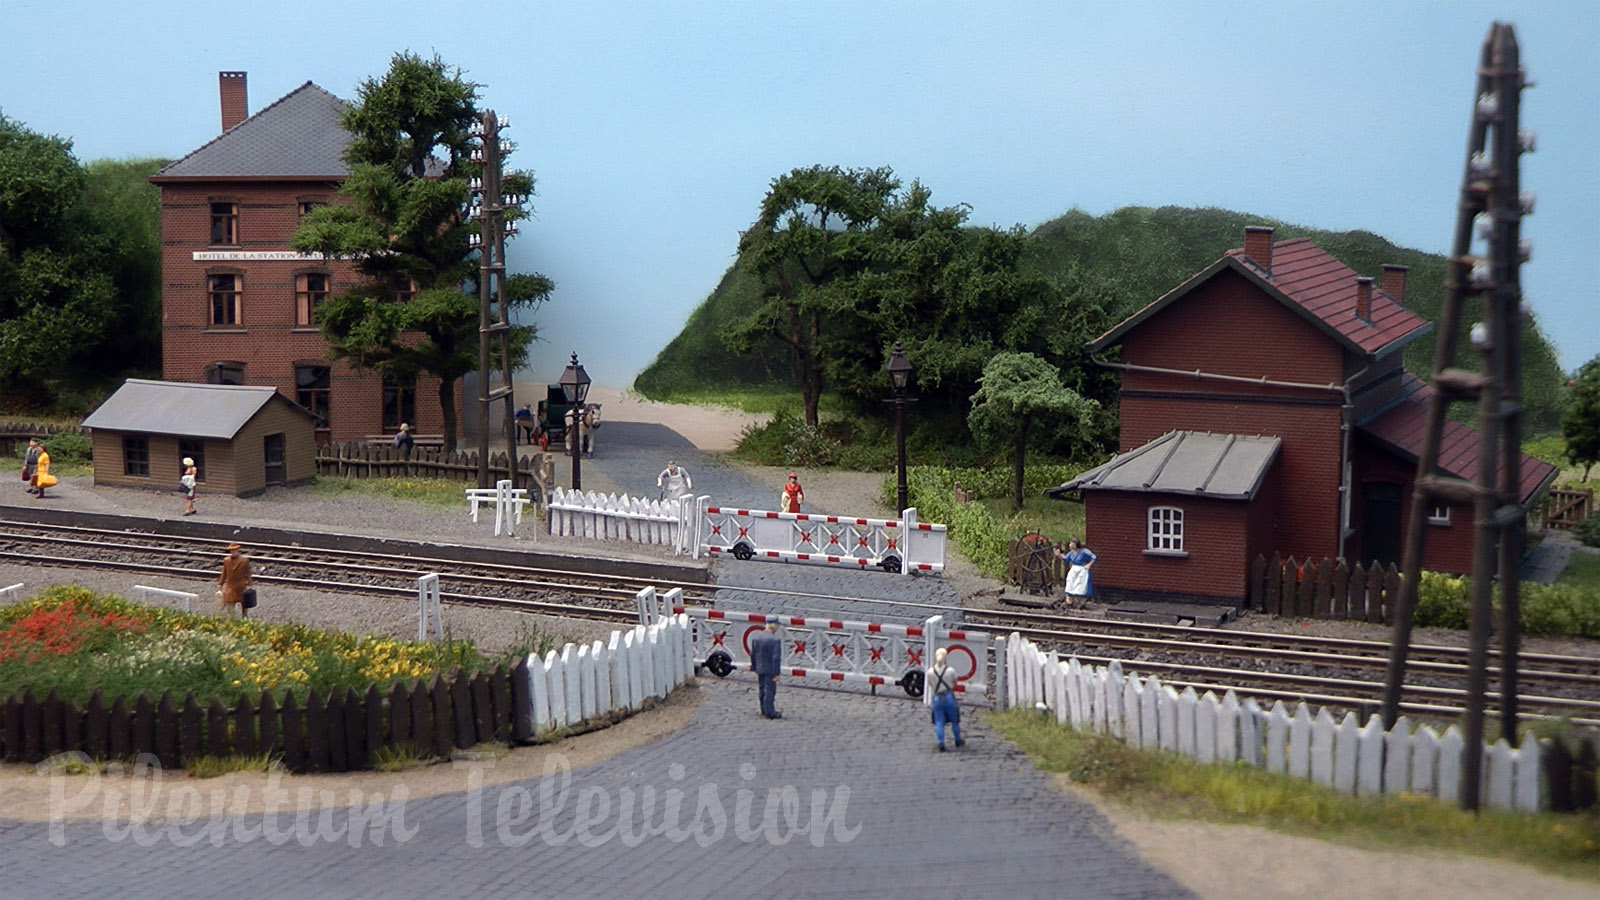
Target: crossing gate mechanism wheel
column 891, row 564
column 743, row 551
column 911, row 682
column 720, row 663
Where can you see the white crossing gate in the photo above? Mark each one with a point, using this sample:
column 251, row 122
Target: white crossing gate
column 834, row 650
column 902, row 545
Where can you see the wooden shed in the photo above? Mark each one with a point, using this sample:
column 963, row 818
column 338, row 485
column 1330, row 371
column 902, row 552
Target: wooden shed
column 242, row 438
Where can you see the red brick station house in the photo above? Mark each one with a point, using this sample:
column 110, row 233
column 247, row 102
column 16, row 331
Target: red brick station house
column 1264, row 409
column 238, row 305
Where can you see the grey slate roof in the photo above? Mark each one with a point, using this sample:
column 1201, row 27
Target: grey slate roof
column 215, row 411
column 297, row 136
column 1194, row 463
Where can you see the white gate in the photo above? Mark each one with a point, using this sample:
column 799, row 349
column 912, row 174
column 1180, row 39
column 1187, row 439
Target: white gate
column 836, row 650
column 903, row 545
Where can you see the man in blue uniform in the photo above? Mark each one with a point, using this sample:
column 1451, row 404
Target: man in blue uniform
column 766, row 658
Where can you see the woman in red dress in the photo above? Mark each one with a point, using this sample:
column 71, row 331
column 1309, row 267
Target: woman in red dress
column 790, row 499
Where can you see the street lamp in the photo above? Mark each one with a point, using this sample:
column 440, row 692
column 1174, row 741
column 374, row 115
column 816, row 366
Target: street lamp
column 899, row 376
column 575, row 387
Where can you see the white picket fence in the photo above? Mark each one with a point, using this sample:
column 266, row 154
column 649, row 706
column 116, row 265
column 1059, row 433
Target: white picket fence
column 614, row 518
column 1342, row 754
column 619, row 675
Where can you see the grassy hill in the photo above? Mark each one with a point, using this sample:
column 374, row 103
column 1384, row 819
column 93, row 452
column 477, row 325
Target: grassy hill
column 1144, row 252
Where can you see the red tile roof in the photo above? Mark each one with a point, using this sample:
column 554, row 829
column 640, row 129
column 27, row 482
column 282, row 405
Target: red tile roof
column 1401, row 428
column 1326, row 288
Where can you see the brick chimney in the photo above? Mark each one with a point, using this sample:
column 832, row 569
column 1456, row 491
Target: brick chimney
column 235, row 103
column 1394, row 282
column 1258, row 246
column 1364, row 298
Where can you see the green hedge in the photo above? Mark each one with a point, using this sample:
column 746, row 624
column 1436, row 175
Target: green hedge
column 977, row 534
column 1557, row 609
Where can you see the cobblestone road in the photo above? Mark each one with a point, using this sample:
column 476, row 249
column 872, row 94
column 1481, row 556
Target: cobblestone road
column 873, row 811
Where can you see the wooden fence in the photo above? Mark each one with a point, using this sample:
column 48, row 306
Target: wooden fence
column 357, row 459
column 1322, row 590
column 337, row 731
column 1568, row 507
column 613, row 518
column 1338, row 753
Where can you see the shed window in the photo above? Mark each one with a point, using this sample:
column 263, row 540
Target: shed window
column 136, row 456
column 226, row 291
column 313, row 386
column 1439, row 514
column 195, row 450
column 1166, row 529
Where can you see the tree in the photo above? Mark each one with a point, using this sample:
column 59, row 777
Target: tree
column 404, row 220
column 1020, row 400
column 813, row 240
column 127, row 208
column 1580, row 425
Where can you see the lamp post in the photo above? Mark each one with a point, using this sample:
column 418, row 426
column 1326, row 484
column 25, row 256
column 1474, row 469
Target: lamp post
column 899, row 376
column 575, row 387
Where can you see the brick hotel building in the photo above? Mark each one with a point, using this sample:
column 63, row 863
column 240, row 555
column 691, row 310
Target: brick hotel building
column 238, row 305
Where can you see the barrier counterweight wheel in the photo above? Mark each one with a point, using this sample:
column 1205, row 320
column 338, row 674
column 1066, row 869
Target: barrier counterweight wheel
column 911, row 682
column 743, row 551
column 720, row 663
column 891, row 564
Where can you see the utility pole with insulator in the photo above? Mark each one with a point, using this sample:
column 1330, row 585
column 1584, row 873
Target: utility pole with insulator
column 489, row 208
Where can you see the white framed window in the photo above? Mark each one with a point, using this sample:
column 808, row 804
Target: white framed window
column 1438, row 514
column 1165, row 533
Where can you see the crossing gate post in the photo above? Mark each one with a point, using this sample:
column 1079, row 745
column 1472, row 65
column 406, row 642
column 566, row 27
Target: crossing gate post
column 930, row 627
column 429, row 607
column 998, row 696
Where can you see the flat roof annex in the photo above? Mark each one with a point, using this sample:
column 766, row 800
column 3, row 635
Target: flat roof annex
column 1192, row 463
column 212, row 411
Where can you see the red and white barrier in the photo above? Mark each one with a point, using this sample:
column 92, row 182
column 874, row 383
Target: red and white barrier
column 894, row 545
column 837, row 650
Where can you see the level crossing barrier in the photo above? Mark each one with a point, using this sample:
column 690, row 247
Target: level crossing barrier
column 618, row 518
column 834, row 650
column 902, row 545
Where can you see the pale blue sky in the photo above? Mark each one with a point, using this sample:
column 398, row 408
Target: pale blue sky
column 655, row 128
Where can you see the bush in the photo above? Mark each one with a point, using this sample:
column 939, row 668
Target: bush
column 787, row 441
column 69, row 448
column 1555, row 610
column 1588, row 531
column 1443, row 601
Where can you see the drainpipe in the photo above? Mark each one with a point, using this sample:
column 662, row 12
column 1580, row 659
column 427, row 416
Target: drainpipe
column 1346, row 417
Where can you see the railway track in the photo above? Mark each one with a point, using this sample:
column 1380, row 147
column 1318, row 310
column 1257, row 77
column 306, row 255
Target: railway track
column 1339, row 672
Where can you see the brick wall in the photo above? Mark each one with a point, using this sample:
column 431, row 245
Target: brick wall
column 1448, row 547
column 267, row 342
column 1214, row 540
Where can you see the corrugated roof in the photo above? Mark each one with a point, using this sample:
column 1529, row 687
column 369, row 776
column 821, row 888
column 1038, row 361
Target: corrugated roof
column 1194, row 463
column 1402, row 426
column 215, row 411
column 299, row 135
column 1312, row 282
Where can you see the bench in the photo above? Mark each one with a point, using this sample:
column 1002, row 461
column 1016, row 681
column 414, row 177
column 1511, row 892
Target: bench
column 486, row 497
column 417, row 440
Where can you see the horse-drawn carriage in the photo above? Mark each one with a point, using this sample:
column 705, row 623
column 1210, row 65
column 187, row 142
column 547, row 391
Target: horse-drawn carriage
column 553, row 423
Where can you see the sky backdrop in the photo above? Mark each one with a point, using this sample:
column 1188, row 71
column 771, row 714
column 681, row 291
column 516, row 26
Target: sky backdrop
column 655, row 128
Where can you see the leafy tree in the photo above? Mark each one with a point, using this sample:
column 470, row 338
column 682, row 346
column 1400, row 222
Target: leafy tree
column 404, row 220
column 127, row 208
column 1021, row 400
column 58, row 301
column 1580, row 426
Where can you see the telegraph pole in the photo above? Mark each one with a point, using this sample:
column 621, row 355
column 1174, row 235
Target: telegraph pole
column 489, row 206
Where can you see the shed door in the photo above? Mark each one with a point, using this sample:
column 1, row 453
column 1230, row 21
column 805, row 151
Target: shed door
column 1380, row 523
column 272, row 452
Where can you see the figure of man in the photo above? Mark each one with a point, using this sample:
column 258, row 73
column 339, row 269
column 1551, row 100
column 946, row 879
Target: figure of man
column 524, row 420
column 404, row 440
column 30, row 462
column 674, row 480
column 766, row 659
column 233, row 580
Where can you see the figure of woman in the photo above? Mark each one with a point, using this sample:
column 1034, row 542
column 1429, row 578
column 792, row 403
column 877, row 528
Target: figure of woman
column 186, row 482
column 233, row 580
column 1080, row 582
column 41, row 473
column 793, row 495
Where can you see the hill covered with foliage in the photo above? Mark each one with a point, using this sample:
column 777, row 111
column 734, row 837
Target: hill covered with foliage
column 1130, row 257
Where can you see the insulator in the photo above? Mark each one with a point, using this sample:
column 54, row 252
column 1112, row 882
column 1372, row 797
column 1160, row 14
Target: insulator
column 1481, row 278
column 1480, row 335
column 1488, row 106
column 1525, row 200
column 511, row 228
column 1485, row 228
column 474, row 239
column 505, row 121
column 1524, row 250
column 1525, row 309
column 475, row 185
column 1525, row 140
column 1479, row 166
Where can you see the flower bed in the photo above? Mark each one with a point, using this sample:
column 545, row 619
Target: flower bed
column 74, row 641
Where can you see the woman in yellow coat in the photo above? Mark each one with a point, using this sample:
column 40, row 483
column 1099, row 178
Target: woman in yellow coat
column 233, row 580
column 41, row 474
